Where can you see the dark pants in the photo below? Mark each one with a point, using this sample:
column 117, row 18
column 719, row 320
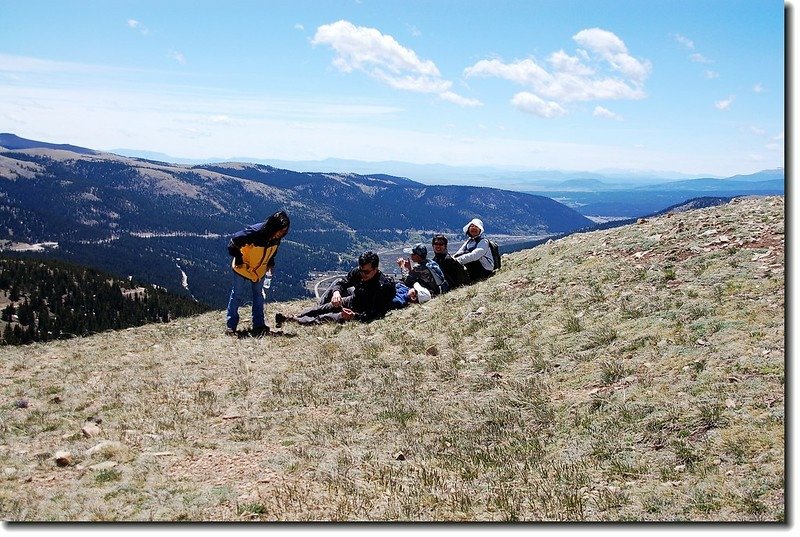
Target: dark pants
column 325, row 312
column 476, row 271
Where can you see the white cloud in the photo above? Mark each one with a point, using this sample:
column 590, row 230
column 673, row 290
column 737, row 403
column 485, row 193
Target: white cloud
column 599, row 111
column 365, row 49
column 459, row 100
column 699, row 58
column 359, row 48
column 602, row 70
column 758, row 88
column 757, row 130
column 711, row 75
column 612, row 49
column 724, row 104
column 533, row 104
column 133, row 24
column 413, row 30
column 688, row 43
column 299, row 26
column 177, row 56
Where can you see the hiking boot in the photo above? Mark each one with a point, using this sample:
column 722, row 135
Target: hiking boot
column 280, row 318
column 259, row 331
column 231, row 332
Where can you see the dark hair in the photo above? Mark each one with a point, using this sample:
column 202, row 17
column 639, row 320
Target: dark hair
column 368, row 258
column 439, row 237
column 275, row 223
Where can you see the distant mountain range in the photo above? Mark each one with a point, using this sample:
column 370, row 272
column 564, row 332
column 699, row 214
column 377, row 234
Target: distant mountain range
column 168, row 223
column 595, row 198
column 509, row 178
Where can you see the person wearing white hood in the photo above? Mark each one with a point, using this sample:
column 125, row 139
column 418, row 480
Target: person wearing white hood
column 475, row 254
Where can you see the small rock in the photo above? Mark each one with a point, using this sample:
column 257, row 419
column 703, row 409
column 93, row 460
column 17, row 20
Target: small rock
column 680, row 468
column 63, row 458
column 21, row 403
column 496, row 375
column 432, row 351
column 8, row 472
column 90, row 430
column 399, row 456
column 57, row 400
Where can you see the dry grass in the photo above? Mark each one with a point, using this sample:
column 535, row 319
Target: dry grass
column 629, row 374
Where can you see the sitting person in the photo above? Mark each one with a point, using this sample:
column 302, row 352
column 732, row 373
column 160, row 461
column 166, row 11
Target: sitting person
column 404, row 295
column 419, row 269
column 370, row 299
column 475, row 254
column 454, row 272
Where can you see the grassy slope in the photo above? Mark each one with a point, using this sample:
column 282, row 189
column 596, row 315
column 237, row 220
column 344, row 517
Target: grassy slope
column 629, row 374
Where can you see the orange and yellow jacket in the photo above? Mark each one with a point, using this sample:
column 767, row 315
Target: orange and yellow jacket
column 253, row 253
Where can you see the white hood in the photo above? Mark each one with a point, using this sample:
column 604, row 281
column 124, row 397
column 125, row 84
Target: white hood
column 478, row 223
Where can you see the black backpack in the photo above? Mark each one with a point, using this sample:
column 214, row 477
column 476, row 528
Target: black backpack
column 495, row 253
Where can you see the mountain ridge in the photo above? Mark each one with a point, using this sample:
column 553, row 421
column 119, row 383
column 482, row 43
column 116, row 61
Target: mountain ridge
column 140, row 217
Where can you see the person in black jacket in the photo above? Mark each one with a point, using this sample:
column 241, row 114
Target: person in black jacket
column 454, row 272
column 370, row 299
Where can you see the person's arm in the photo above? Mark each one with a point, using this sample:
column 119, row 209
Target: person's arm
column 479, row 251
column 348, row 280
column 235, row 252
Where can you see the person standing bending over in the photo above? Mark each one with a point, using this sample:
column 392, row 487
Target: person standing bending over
column 253, row 250
column 475, row 254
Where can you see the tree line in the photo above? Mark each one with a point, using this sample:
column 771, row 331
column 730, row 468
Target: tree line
column 45, row 300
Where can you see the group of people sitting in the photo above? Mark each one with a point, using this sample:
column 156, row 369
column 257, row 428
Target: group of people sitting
column 365, row 293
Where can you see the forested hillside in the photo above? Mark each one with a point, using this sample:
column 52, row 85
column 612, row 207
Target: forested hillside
column 46, row 300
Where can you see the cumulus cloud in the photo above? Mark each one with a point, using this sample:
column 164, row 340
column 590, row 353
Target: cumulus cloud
column 133, row 24
column 602, row 69
column 459, row 100
column 683, row 40
column 612, row 49
column 600, row 111
column 724, row 104
column 359, row 48
column 177, row 56
column 533, row 104
column 699, row 58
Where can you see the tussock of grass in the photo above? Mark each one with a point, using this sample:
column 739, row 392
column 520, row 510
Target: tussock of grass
column 629, row 374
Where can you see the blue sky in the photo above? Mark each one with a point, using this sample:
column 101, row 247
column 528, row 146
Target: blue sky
column 689, row 86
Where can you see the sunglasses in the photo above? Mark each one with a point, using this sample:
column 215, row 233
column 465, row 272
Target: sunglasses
column 365, row 272
column 440, row 244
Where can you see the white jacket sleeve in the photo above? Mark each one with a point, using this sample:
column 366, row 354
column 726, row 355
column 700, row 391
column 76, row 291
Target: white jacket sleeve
column 480, row 250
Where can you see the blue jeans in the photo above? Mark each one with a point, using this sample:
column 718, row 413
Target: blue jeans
column 242, row 292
